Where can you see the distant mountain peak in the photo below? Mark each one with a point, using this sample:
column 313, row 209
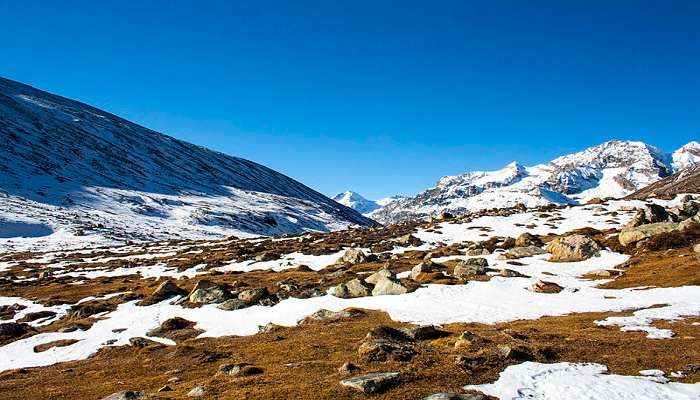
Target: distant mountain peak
column 686, row 156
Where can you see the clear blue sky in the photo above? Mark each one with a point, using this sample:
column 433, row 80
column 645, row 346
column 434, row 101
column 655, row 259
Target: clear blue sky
column 379, row 97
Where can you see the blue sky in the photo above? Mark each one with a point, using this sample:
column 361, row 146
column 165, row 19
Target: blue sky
column 378, row 97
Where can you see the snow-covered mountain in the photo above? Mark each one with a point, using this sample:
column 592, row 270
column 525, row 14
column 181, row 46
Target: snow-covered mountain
column 612, row 169
column 69, row 169
column 360, row 204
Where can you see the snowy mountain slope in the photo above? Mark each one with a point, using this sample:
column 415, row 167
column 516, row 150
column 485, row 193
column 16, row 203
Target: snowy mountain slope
column 684, row 181
column 612, row 169
column 360, row 204
column 686, row 156
column 73, row 168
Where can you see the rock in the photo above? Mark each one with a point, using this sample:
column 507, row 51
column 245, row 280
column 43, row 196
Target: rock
column 43, row 275
column 164, row 291
column 352, row 289
column 240, row 369
column 348, row 368
column 388, row 286
column 696, row 248
column 455, row 396
column 266, row 256
column 408, row 240
column 206, row 292
column 352, row 256
column 572, row 248
column 470, row 267
column 124, row 395
column 140, row 342
column 595, row 200
column 528, row 239
column 424, row 267
column 517, row 353
column 252, row 296
column 655, row 213
column 426, row 332
column 631, row 235
column 165, row 388
column 13, row 330
column 521, row 252
column 331, row 316
column 86, row 310
column 602, row 273
column 446, row 216
column 382, row 273
column 509, row 273
column 232, row 304
column 545, row 287
column 197, row 391
column 269, row 327
column 479, row 251
column 372, row 383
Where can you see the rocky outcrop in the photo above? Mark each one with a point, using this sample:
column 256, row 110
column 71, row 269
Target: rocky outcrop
column 572, row 248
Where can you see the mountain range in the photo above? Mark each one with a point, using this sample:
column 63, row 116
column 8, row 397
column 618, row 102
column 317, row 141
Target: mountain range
column 75, row 173
column 612, row 169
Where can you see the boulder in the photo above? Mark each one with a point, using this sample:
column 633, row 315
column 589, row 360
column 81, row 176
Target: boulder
column 509, row 273
column 252, row 296
column 352, row 256
column 266, row 256
column 424, row 267
column 240, row 369
column 124, row 395
column 382, row 273
column 545, row 287
column 348, row 368
column 164, row 291
column 372, row 383
column 521, row 252
column 572, row 248
column 631, row 235
column 528, row 239
column 380, row 350
column 408, row 240
column 696, row 248
column 331, row 316
column 353, row 288
column 388, row 286
column 207, row 292
column 232, row 304
column 478, row 251
column 470, row 267
column 12, row 330
column 655, row 213
column 197, row 391
column 426, row 332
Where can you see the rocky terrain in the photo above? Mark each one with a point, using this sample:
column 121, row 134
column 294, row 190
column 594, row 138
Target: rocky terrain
column 599, row 300
column 612, row 169
column 72, row 174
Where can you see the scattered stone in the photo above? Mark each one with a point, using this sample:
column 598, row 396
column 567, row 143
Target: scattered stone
column 331, row 316
column 382, row 273
column 352, row 289
column 572, row 248
column 232, row 304
column 631, row 235
column 528, row 239
column 165, row 388
column 352, row 256
column 479, row 251
column 408, row 240
column 124, row 395
column 348, row 368
column 266, row 256
column 602, row 273
column 518, row 353
column 470, row 267
column 240, row 369
column 388, row 286
column 521, row 252
column 207, row 292
column 269, row 327
column 426, row 332
column 424, row 267
column 197, row 391
column 509, row 273
column 164, row 291
column 372, row 383
column 252, row 296
column 86, row 310
column 545, row 287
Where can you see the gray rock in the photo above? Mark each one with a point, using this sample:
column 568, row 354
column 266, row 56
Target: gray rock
column 382, row 273
column 572, row 248
column 408, row 240
column 252, row 296
column 197, row 391
column 631, row 235
column 348, row 368
column 352, row 289
column 696, row 248
column 266, row 256
column 331, row 316
column 164, row 291
column 470, row 267
column 426, row 332
column 521, row 252
column 352, row 256
column 372, row 383
column 425, row 266
column 232, row 304
column 124, row 395
column 206, row 292
column 528, row 239
column 545, row 287
column 509, row 273
column 388, row 286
